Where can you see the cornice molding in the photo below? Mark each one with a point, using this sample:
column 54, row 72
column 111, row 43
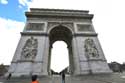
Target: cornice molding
column 33, row 33
column 58, row 13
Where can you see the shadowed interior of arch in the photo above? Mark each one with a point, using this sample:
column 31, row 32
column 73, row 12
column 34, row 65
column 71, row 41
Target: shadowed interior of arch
column 59, row 56
column 62, row 36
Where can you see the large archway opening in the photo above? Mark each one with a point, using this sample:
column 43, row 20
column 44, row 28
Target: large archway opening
column 59, row 56
column 61, row 34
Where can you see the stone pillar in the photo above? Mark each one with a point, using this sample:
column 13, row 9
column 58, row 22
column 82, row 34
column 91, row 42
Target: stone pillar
column 91, row 58
column 71, row 63
column 38, row 65
column 46, row 56
column 76, row 69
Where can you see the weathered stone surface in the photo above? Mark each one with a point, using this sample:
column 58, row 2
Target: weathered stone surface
column 45, row 26
column 97, row 78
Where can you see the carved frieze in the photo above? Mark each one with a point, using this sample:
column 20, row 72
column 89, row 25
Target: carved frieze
column 84, row 27
column 66, row 24
column 29, row 51
column 91, row 50
column 52, row 24
column 35, row 27
column 70, row 25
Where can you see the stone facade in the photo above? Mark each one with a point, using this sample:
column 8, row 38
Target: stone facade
column 44, row 27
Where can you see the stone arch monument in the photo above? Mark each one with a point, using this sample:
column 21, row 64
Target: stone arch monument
column 44, row 27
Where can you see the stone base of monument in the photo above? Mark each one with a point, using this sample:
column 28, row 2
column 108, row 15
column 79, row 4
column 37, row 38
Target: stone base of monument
column 98, row 78
column 104, row 78
column 25, row 79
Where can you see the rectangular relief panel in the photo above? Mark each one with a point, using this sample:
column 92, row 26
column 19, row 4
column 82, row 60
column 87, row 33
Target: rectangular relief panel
column 35, row 27
column 82, row 27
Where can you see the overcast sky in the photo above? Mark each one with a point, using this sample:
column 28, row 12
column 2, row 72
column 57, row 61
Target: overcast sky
column 108, row 21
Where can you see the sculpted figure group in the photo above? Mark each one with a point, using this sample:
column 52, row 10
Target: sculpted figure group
column 30, row 48
column 90, row 48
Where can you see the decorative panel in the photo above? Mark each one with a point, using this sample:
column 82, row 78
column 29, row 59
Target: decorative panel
column 84, row 27
column 35, row 27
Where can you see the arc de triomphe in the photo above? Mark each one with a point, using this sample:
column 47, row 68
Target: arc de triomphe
column 44, row 27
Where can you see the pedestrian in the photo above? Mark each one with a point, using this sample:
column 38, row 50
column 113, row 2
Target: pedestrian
column 34, row 79
column 63, row 77
column 9, row 76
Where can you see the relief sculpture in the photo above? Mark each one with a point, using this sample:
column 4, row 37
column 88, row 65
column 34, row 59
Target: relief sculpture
column 90, row 48
column 29, row 51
